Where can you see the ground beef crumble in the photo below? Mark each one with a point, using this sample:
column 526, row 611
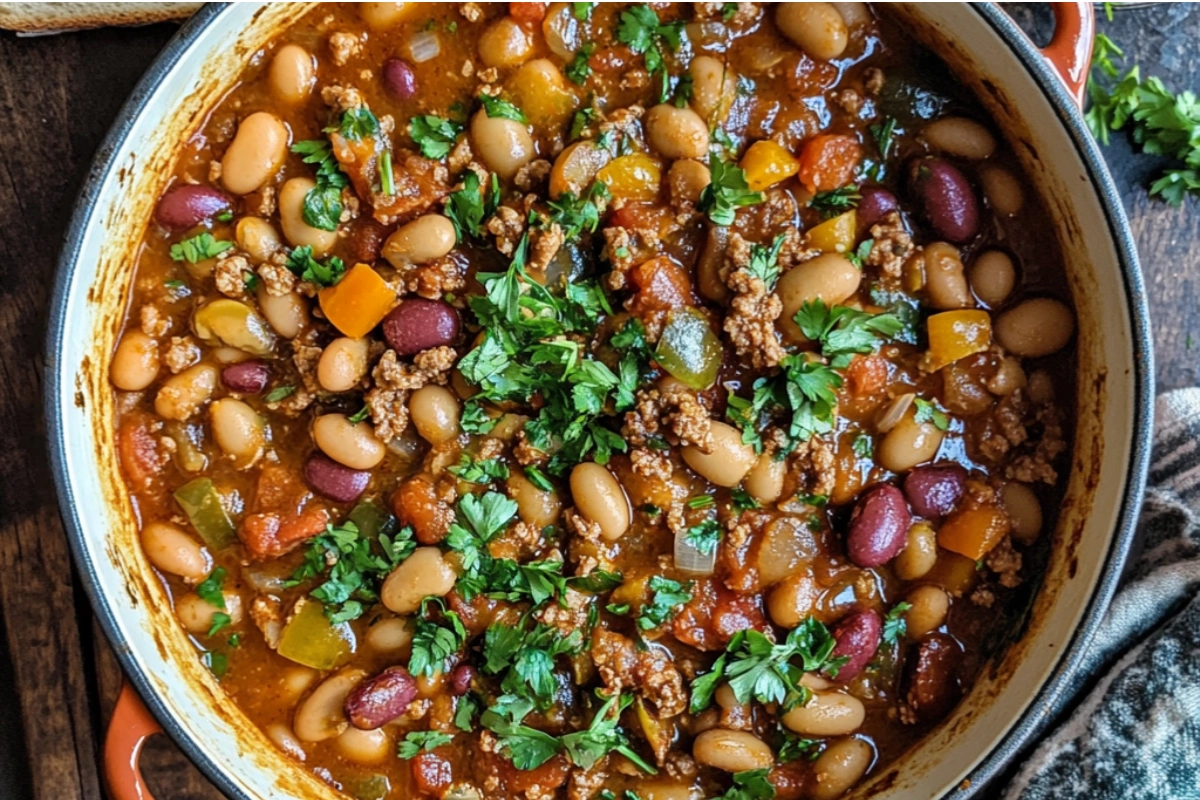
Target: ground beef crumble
column 277, row 279
column 230, row 275
column 650, row 673
column 893, row 245
column 673, row 413
column 153, row 323
column 343, row 46
column 394, row 380
column 182, row 352
column 1005, row 562
column 753, row 310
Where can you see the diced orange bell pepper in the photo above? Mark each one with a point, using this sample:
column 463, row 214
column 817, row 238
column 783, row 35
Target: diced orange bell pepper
column 954, row 335
column 973, row 532
column 954, row 573
column 358, row 302
column 766, row 164
column 828, row 162
column 635, row 177
column 835, row 235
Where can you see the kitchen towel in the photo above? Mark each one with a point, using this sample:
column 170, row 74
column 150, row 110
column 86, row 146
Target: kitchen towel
column 1136, row 732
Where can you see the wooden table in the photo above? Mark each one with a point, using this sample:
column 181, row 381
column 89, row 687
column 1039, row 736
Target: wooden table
column 58, row 96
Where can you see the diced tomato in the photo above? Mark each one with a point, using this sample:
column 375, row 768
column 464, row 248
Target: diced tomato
column 547, row 777
column 527, row 13
column 866, row 376
column 139, row 451
column 611, row 59
column 271, row 534
column 662, row 285
column 432, row 773
column 416, row 503
column 828, row 162
column 644, row 216
column 715, row 614
column 736, row 612
column 790, row 780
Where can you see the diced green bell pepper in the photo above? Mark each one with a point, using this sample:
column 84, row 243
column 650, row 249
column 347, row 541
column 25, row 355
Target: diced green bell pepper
column 369, row 787
column 201, row 502
column 372, row 520
column 688, row 349
column 311, row 639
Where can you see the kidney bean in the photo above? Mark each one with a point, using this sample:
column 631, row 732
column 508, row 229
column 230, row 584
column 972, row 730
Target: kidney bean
column 335, row 481
column 366, row 239
column 933, row 491
column 187, row 205
column 379, row 700
column 931, row 677
column 878, row 526
column 876, row 203
column 858, row 638
column 399, row 79
column 418, row 324
column 460, row 679
column 946, row 199
column 248, row 377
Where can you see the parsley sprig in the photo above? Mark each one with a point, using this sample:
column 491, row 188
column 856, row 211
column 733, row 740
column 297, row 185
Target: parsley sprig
column 199, row 248
column 323, row 203
column 641, row 29
column 416, row 742
column 436, row 638
column 802, row 394
column 469, row 206
column 843, row 331
column 526, row 658
column 836, row 201
column 301, row 262
column 727, row 191
column 666, row 596
column 353, row 567
column 750, row 785
column 895, row 625
column 758, row 669
column 434, row 135
column 764, row 262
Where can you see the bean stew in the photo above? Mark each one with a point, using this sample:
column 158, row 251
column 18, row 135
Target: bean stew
column 591, row 401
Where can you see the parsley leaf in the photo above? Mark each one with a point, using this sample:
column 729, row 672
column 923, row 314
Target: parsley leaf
column 416, row 742
column 843, row 331
column 481, row 472
column 434, row 135
column 219, row 620
column 323, row 203
column 742, row 500
column 353, row 567
column 356, row 123
column 885, row 136
column 469, row 206
column 578, row 214
column 930, row 412
column 217, row 663
column 301, row 262
column 666, row 597
column 750, row 785
column 496, row 107
column 526, row 658
column 641, row 29
column 580, row 122
column 279, row 393
column 579, row 70
column 433, row 642
column 705, row 536
column 464, row 714
column 894, row 624
column 209, row 589
column 795, row 747
column 835, row 201
column 803, row 392
column 582, row 11
column 726, row 192
column 764, row 262
column 199, row 248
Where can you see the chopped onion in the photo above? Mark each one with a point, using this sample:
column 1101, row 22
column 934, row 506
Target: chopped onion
column 689, row 559
column 894, row 412
column 423, row 46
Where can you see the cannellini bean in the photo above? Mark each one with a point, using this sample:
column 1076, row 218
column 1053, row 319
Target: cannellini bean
column 1002, row 190
column 292, row 74
column 197, row 614
column 351, row 444
column 732, row 751
column 601, row 498
column 238, row 429
column 364, row 747
column 434, row 411
column 930, row 605
column 172, row 550
column 919, row 554
column 421, row 241
column 840, row 766
column 993, row 276
column 816, row 28
column 135, row 365
column 1024, row 509
column 423, row 574
column 1037, row 327
column 342, row 365
column 536, row 507
column 793, row 600
column 714, row 87
column 286, row 314
column 256, row 153
column 182, row 395
column 729, row 461
column 945, row 283
column 958, row 136
column 504, row 44
column 291, row 216
column 504, row 145
column 676, row 132
column 322, row 715
column 389, row 635
column 257, row 237
column 830, row 278
column 908, row 444
column 826, row 714
column 764, row 482
column 381, row 16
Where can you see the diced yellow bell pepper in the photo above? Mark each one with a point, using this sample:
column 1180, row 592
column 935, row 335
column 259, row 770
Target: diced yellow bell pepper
column 835, row 235
column 576, row 167
column 766, row 164
column 954, row 335
column 635, row 177
column 309, row 638
column 973, row 532
column 358, row 302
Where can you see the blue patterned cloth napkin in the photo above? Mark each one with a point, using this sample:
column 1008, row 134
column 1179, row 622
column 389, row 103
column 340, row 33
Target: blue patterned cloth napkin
column 1135, row 733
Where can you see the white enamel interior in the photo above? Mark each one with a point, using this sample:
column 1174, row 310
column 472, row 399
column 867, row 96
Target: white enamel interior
column 213, row 729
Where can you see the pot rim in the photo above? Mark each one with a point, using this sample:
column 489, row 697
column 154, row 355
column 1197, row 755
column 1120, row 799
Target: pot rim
column 1050, row 692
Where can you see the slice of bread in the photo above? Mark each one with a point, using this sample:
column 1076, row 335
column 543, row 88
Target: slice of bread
column 34, row 18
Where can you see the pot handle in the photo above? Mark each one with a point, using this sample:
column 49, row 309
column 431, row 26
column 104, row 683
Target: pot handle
column 131, row 725
column 1070, row 49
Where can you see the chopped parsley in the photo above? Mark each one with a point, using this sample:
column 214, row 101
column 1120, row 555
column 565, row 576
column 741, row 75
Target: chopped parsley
column 352, row 568
column 727, row 191
column 416, row 742
column 803, row 391
column 209, row 589
column 576, row 214
column 525, row 658
column 217, row 663
column 200, row 247
column 464, row 715
column 764, row 262
column 496, row 107
column 434, row 135
column 884, row 134
column 469, row 206
column 836, row 201
column 705, row 536
column 301, row 262
column 750, row 785
column 360, row 415
column 641, row 29
column 758, row 669
column 538, row 478
column 219, row 620
column 387, row 182
column 795, row 747
column 684, row 88
column 742, row 500
column 929, row 411
column 860, row 254
column 843, row 331
column 666, row 597
column 582, row 11
column 481, row 472
column 701, row 501
column 580, row 122
column 529, row 748
column 279, row 393
column 323, row 203
column 862, row 445
column 434, row 641
column 356, row 124
column 894, row 624
column 579, row 70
